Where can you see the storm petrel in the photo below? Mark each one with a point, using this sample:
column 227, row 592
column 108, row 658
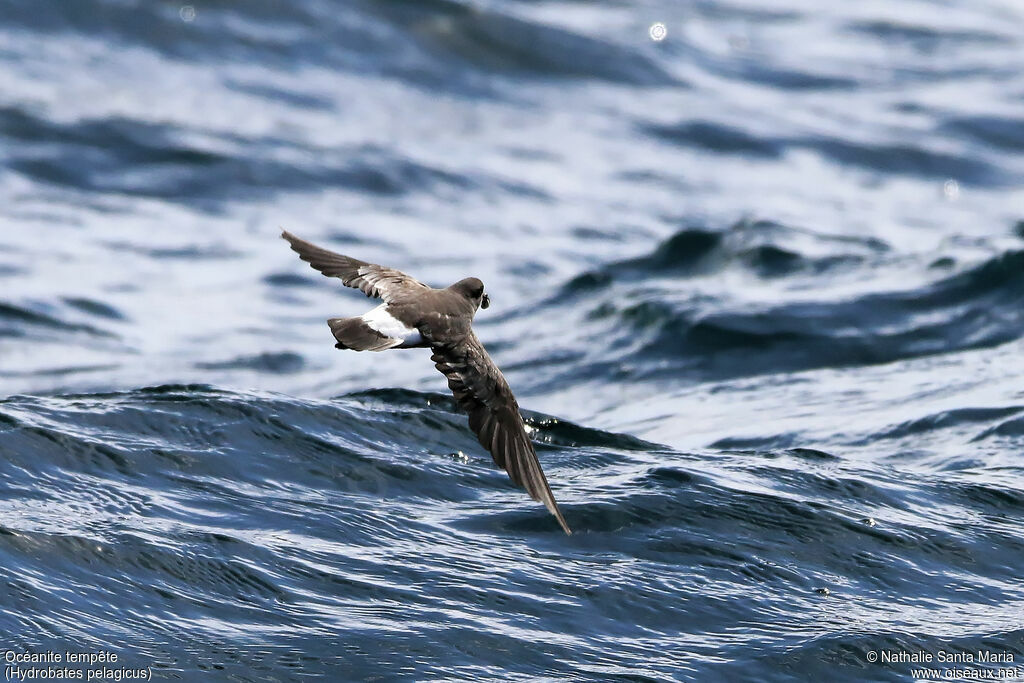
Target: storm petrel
column 414, row 315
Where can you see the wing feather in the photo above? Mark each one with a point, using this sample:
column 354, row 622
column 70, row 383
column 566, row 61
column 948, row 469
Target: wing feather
column 371, row 279
column 481, row 390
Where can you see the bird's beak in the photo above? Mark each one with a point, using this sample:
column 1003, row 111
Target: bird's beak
column 485, row 302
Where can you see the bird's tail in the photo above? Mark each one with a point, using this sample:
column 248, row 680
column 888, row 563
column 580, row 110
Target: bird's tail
column 355, row 334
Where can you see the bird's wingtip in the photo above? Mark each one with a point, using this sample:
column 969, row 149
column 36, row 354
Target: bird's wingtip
column 561, row 520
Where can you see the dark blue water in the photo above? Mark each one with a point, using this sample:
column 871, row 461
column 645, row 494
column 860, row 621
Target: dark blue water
column 759, row 288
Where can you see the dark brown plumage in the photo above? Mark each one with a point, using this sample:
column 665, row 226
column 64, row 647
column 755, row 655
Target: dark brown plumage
column 415, row 315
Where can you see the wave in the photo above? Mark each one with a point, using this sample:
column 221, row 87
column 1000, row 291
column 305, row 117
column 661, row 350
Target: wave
column 24, row 321
column 884, row 159
column 433, row 44
column 178, row 417
column 925, row 38
column 500, row 43
column 947, row 419
column 279, row 362
column 718, row 138
column 93, row 155
column 699, row 336
column 760, row 246
column 270, row 522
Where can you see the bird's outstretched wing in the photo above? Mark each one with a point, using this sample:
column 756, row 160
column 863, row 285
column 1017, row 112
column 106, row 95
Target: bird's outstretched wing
column 481, row 390
column 371, row 279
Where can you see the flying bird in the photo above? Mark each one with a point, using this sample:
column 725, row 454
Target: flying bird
column 414, row 315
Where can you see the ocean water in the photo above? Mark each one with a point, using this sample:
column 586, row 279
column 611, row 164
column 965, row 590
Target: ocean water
column 758, row 287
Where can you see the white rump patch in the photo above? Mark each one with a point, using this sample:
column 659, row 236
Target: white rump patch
column 379, row 320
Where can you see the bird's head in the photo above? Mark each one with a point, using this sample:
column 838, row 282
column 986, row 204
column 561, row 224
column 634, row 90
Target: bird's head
column 473, row 289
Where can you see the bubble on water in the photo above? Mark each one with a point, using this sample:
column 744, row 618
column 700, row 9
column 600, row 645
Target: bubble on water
column 658, row 32
column 188, row 13
column 951, row 190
